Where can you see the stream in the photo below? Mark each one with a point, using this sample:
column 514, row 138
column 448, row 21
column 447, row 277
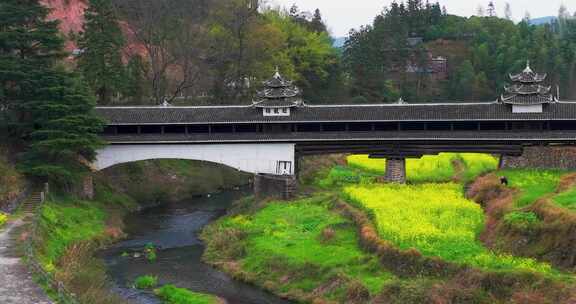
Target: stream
column 175, row 228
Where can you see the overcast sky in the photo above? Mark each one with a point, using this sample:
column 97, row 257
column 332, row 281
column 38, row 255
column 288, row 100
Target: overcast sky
column 342, row 15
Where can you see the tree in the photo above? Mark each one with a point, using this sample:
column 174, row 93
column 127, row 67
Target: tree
column 480, row 11
column 508, row 11
column 101, row 43
column 136, row 86
column 167, row 29
column 491, row 9
column 50, row 109
column 317, row 24
column 65, row 136
column 28, row 43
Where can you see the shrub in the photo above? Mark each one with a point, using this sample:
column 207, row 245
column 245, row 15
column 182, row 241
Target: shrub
column 521, row 220
column 173, row 295
column 150, row 252
column 3, row 219
column 146, row 282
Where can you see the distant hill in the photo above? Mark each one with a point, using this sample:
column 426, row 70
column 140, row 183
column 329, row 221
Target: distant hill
column 339, row 42
column 543, row 20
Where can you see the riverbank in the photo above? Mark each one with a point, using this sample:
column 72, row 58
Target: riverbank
column 72, row 230
column 308, row 249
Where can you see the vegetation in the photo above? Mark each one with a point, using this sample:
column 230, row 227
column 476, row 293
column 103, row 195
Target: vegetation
column 11, row 181
column 71, row 230
column 441, row 168
column 521, row 220
column 436, row 220
column 533, row 184
column 42, row 103
column 481, row 52
column 146, row 282
column 102, row 43
column 298, row 248
column 3, row 219
column 567, row 199
column 173, row 295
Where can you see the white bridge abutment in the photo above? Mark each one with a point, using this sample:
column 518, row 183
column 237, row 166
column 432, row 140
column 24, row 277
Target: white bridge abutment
column 273, row 164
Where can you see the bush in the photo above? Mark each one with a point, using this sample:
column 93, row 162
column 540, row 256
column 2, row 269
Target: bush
column 173, row 295
column 3, row 219
column 146, row 282
column 521, row 220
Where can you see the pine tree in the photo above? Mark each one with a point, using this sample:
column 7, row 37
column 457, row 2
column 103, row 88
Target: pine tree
column 49, row 108
column 317, row 24
column 102, row 42
column 65, row 137
column 28, row 44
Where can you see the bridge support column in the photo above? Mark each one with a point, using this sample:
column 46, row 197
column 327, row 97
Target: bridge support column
column 273, row 186
column 395, row 170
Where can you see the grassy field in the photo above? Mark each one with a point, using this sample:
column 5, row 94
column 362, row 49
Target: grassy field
column 301, row 244
column 440, row 168
column 533, row 184
column 436, row 220
column 567, row 199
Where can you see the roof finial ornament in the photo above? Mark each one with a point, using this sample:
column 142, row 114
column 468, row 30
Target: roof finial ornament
column 401, row 101
column 277, row 74
column 528, row 69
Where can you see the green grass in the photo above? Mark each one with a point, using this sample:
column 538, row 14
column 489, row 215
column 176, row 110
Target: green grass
column 533, row 184
column 304, row 240
column 146, row 282
column 567, row 199
column 522, row 220
column 439, row 168
column 64, row 222
column 340, row 176
column 436, row 220
column 173, row 295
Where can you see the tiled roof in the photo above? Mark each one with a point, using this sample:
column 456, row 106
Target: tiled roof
column 498, row 137
column 527, row 99
column 341, row 113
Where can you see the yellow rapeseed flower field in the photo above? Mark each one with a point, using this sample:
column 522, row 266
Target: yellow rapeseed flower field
column 436, row 220
column 3, row 219
column 432, row 168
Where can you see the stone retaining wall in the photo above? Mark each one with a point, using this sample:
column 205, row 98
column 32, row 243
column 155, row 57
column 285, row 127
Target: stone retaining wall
column 542, row 158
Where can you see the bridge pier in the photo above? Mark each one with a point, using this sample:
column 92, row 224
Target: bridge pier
column 275, row 186
column 395, row 170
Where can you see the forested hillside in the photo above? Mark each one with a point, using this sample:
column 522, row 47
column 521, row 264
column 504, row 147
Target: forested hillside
column 218, row 52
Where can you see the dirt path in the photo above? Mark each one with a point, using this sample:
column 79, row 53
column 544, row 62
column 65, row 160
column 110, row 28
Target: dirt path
column 16, row 285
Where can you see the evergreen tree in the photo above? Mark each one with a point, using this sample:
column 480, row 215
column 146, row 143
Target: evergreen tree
column 65, row 137
column 28, row 45
column 136, row 87
column 102, row 42
column 49, row 108
column 317, row 25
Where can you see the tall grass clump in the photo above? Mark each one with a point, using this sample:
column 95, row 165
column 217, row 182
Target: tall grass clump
column 436, row 220
column 339, row 176
column 533, row 184
column 171, row 294
column 146, row 282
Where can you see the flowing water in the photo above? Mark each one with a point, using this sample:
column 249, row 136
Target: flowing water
column 175, row 228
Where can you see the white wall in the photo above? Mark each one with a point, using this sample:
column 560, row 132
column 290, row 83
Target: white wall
column 251, row 158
